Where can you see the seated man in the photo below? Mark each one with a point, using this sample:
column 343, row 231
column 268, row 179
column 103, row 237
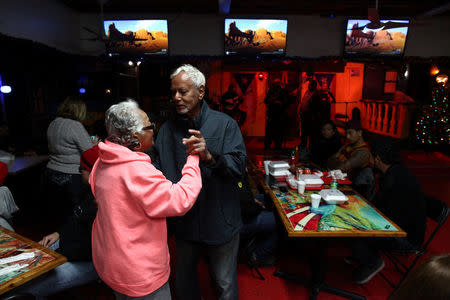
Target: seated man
column 401, row 199
column 354, row 158
column 259, row 227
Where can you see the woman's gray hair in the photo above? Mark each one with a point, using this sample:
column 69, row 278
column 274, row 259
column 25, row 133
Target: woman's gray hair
column 122, row 120
column 194, row 74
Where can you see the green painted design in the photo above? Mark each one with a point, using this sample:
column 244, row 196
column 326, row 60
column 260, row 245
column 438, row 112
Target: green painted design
column 354, row 214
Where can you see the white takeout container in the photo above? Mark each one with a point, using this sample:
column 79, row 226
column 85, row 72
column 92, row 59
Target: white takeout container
column 279, row 168
column 311, row 179
column 333, row 196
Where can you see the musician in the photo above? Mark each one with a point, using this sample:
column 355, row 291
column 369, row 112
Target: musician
column 230, row 105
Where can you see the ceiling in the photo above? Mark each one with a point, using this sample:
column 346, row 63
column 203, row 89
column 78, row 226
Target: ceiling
column 386, row 8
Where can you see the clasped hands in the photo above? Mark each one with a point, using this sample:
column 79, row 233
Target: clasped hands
column 196, row 144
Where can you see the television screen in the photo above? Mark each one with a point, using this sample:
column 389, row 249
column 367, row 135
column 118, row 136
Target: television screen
column 383, row 38
column 255, row 36
column 136, row 36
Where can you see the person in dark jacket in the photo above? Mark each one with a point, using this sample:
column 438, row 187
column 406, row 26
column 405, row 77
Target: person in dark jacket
column 354, row 158
column 309, row 114
column 276, row 102
column 72, row 240
column 212, row 225
column 401, row 199
column 328, row 144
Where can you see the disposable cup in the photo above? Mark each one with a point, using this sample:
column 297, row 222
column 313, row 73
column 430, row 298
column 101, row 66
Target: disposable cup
column 315, row 200
column 301, row 186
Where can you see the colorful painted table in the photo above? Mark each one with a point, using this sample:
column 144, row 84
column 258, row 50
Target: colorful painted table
column 44, row 259
column 354, row 218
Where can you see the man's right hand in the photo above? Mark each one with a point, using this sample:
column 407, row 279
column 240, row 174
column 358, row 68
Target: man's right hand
column 196, row 144
column 49, row 240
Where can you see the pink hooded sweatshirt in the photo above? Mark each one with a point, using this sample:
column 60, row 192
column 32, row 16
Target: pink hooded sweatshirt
column 129, row 235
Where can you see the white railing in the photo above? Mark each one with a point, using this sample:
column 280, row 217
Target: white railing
column 387, row 117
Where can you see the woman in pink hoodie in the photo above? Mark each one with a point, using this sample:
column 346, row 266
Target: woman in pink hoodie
column 129, row 236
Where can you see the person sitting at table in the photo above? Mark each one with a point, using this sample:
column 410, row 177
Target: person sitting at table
column 354, row 158
column 328, row 144
column 259, row 227
column 129, row 236
column 401, row 199
column 7, row 204
column 73, row 240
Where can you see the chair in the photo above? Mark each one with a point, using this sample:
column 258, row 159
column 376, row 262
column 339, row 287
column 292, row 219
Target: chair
column 246, row 253
column 438, row 211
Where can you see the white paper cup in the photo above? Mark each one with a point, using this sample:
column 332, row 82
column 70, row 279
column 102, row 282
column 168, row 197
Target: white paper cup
column 315, row 200
column 301, row 186
column 266, row 166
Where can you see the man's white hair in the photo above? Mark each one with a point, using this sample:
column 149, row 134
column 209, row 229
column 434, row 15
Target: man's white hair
column 193, row 73
column 122, row 120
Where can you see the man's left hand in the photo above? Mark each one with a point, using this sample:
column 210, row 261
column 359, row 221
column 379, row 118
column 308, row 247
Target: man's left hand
column 196, row 144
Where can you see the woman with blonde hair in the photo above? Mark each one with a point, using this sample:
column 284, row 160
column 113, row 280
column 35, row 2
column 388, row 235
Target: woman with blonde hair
column 67, row 140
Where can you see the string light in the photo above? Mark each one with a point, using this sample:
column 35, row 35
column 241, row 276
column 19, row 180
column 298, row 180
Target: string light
column 433, row 127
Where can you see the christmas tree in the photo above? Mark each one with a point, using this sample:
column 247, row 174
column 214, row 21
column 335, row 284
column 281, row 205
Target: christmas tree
column 433, row 126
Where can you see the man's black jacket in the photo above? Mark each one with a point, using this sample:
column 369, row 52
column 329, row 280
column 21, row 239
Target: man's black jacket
column 402, row 200
column 215, row 217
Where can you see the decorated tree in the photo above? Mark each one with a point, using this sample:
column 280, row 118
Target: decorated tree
column 432, row 126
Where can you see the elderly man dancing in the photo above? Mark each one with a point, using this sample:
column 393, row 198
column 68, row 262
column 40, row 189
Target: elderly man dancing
column 212, row 225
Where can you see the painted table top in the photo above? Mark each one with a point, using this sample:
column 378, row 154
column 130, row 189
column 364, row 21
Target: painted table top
column 355, row 217
column 12, row 244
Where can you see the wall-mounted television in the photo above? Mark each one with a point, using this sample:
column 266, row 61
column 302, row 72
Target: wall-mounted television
column 255, row 36
column 386, row 38
column 136, row 36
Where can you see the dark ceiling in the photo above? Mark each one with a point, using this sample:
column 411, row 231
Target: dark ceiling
column 386, row 8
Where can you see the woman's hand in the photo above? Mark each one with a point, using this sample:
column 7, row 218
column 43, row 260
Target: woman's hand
column 49, row 240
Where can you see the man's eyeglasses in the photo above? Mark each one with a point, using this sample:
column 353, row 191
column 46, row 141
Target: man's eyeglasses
column 149, row 127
